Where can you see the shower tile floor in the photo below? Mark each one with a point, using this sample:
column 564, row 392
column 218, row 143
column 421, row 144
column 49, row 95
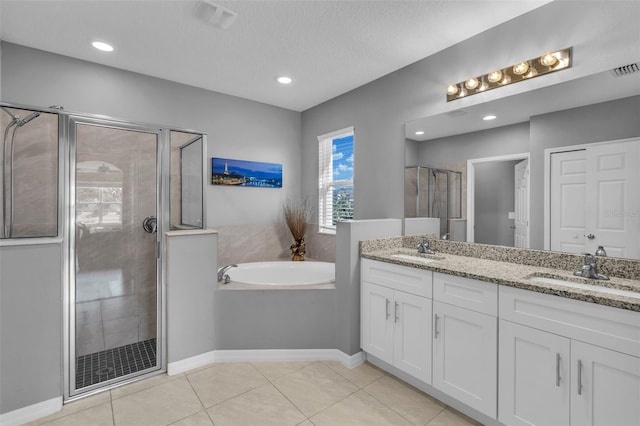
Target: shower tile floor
column 263, row 393
column 113, row 363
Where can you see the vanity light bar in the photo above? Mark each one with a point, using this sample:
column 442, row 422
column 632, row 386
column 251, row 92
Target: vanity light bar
column 524, row 70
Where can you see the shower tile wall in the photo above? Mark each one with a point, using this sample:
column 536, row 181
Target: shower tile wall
column 116, row 269
column 35, row 174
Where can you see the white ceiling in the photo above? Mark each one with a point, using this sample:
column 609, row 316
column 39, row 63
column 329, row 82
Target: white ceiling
column 328, row 47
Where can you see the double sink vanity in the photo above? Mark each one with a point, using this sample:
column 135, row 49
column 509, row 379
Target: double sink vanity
column 508, row 336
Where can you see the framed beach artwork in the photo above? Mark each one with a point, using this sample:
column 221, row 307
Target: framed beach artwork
column 227, row 171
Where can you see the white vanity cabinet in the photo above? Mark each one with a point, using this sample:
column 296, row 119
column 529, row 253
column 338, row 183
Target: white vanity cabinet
column 396, row 316
column 465, row 341
column 567, row 362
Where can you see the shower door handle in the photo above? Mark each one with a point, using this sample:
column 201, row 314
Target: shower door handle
column 150, row 224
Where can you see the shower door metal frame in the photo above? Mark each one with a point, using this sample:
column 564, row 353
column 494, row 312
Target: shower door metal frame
column 162, row 211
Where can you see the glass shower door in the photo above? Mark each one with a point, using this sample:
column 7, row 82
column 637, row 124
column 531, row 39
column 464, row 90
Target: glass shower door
column 114, row 187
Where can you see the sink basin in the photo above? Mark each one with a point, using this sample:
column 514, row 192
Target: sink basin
column 416, row 258
column 583, row 286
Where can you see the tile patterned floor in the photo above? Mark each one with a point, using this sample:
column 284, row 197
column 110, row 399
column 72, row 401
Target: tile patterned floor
column 322, row 393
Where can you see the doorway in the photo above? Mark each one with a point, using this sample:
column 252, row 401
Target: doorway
column 509, row 225
column 115, row 223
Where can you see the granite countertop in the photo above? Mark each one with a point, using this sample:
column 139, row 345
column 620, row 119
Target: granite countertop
column 517, row 275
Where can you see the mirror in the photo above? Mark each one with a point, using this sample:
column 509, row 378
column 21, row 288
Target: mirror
column 591, row 109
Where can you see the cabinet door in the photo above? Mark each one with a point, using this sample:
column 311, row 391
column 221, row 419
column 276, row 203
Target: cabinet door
column 377, row 323
column 412, row 336
column 465, row 356
column 534, row 379
column 605, row 387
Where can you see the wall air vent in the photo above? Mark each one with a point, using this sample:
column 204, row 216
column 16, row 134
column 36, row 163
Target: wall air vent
column 626, row 70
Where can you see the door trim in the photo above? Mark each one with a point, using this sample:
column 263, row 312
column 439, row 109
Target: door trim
column 471, row 185
column 547, row 179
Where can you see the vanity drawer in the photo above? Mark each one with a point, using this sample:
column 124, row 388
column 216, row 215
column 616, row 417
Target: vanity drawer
column 404, row 278
column 613, row 328
column 479, row 296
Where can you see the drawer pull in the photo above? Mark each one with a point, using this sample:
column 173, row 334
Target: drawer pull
column 558, row 370
column 579, row 377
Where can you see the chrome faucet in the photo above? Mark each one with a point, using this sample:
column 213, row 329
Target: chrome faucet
column 589, row 269
column 423, row 247
column 222, row 273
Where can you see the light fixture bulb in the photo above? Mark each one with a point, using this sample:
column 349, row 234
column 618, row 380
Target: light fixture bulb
column 521, row 68
column 548, row 59
column 483, row 85
column 494, row 76
column 419, row 132
column 489, row 117
column 505, row 80
column 284, row 79
column 452, row 89
column 101, row 45
column 471, row 83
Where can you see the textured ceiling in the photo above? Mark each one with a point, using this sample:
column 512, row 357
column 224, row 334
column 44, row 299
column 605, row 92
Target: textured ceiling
column 328, row 47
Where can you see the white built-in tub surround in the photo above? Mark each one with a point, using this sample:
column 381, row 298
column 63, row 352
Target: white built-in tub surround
column 507, row 336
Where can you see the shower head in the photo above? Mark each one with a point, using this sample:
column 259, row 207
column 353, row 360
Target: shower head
column 28, row 119
column 13, row 116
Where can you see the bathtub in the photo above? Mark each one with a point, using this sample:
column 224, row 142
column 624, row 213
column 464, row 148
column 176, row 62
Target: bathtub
column 283, row 274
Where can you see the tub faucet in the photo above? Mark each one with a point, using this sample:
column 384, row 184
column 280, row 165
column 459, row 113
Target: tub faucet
column 222, row 273
column 423, row 247
column 589, row 269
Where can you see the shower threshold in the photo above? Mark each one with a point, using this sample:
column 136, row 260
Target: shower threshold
column 110, row 364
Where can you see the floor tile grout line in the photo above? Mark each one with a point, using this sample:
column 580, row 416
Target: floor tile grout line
column 397, row 412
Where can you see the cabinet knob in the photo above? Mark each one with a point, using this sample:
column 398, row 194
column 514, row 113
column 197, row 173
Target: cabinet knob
column 591, row 236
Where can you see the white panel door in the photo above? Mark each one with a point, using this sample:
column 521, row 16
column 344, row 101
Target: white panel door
column 412, row 337
column 605, row 388
column 465, row 356
column 521, row 207
column 534, row 379
column 377, row 324
column 613, row 199
column 568, row 190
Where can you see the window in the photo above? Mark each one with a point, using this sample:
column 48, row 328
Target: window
column 335, row 179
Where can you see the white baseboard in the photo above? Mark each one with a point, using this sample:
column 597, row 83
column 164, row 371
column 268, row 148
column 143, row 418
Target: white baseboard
column 258, row 355
column 190, row 363
column 32, row 412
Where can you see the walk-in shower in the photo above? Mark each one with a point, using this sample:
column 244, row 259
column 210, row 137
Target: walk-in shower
column 433, row 192
column 105, row 191
column 29, row 173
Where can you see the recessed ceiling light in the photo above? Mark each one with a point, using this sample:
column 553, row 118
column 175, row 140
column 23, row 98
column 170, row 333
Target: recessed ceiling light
column 283, row 79
column 419, row 132
column 100, row 45
column 489, row 117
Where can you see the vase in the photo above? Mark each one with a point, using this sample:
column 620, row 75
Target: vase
column 298, row 250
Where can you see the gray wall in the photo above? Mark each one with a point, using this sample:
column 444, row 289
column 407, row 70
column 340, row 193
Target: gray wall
column 513, row 139
column 30, row 325
column 494, row 198
column 236, row 128
column 191, row 278
column 379, row 109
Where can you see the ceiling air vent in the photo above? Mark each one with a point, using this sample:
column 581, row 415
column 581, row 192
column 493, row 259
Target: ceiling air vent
column 456, row 113
column 216, row 15
column 626, row 70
